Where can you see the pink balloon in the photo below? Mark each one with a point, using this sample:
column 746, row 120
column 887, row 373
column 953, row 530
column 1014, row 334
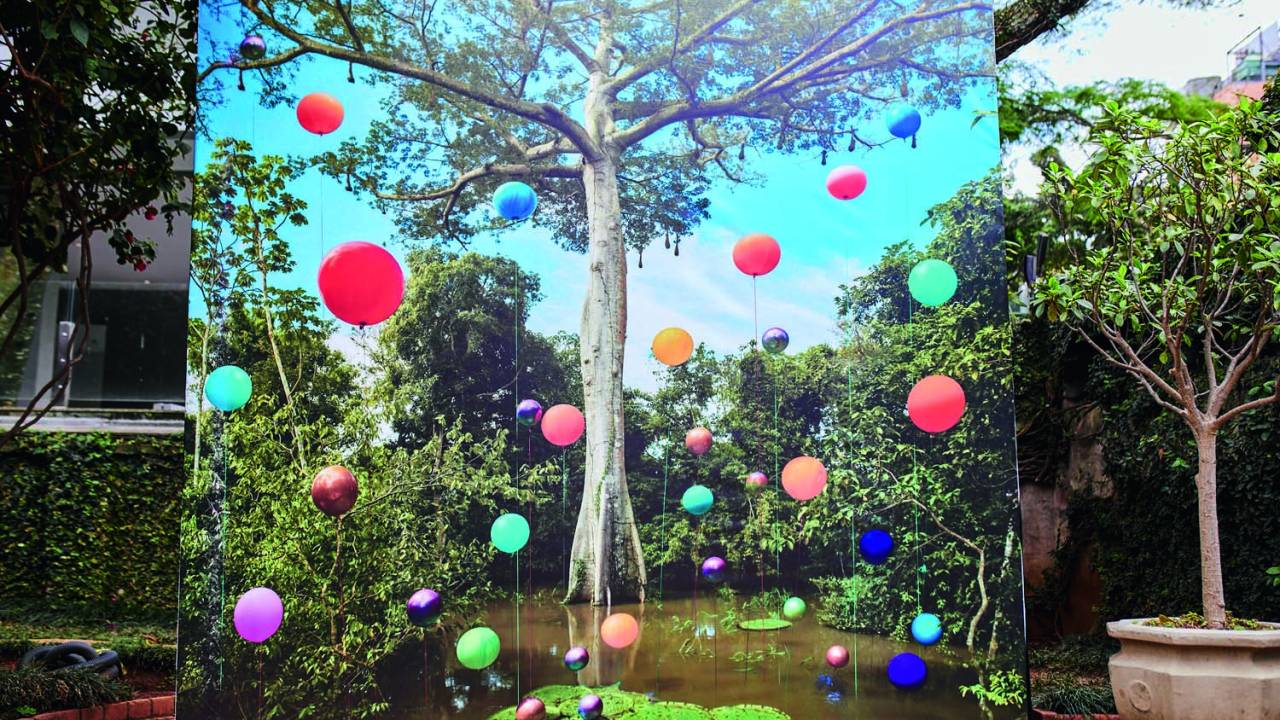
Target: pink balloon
column 320, row 113
column 361, row 283
column 562, row 425
column 804, row 478
column 619, row 630
column 258, row 614
column 756, row 254
column 846, row 182
column 698, row 440
column 936, row 403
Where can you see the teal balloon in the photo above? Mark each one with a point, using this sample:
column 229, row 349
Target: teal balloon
column 228, row 388
column 932, row 282
column 697, row 500
column 926, row 629
column 794, row 608
column 478, row 648
column 510, row 532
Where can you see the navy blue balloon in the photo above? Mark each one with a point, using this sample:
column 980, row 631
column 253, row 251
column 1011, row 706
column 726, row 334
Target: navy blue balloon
column 903, row 121
column 515, row 201
column 907, row 671
column 875, row 546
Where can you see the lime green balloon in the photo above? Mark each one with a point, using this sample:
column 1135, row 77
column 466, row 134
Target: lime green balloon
column 932, row 282
column 793, row 608
column 510, row 532
column 697, row 500
column 478, row 648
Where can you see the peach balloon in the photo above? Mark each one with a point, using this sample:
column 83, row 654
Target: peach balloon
column 562, row 425
column 619, row 630
column 804, row 478
column 672, row 346
column 698, row 440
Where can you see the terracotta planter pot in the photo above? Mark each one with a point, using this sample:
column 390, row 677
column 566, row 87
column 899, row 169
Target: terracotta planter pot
column 1172, row 674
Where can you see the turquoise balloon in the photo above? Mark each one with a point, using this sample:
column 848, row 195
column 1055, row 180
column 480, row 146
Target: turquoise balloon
column 926, row 629
column 903, row 121
column 932, row 282
column 510, row 533
column 697, row 500
column 478, row 648
column 515, row 201
column 228, row 388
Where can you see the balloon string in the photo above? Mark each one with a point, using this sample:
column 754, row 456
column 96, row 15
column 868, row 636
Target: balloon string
column 320, row 179
column 662, row 562
column 915, row 471
column 777, row 481
column 517, row 559
column 853, row 535
column 564, row 515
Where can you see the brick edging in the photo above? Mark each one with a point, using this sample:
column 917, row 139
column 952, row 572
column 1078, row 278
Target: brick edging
column 1050, row 715
column 140, row 709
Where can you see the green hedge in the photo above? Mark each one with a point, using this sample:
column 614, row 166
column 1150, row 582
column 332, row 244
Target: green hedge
column 89, row 524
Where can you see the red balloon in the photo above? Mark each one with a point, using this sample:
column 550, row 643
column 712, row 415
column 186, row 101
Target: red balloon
column 936, row 403
column 334, row 490
column 846, row 182
column 698, row 440
column 320, row 113
column 756, row 254
column 562, row 425
column 361, row 283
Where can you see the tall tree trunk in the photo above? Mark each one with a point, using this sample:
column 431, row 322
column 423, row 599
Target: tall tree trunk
column 1212, row 595
column 606, row 563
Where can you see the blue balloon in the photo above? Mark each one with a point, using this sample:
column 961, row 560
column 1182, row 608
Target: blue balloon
column 875, row 546
column 907, row 671
column 228, row 388
column 903, row 121
column 515, row 201
column 926, row 629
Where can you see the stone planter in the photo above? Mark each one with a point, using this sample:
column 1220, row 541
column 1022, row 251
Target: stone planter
column 1173, row 674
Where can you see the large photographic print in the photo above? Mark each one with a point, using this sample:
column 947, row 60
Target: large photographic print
column 600, row 359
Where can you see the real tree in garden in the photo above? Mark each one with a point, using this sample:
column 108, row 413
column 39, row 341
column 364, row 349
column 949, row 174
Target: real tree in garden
column 1177, row 282
column 658, row 115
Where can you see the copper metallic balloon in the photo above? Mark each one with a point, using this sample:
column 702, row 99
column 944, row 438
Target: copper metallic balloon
column 334, row 490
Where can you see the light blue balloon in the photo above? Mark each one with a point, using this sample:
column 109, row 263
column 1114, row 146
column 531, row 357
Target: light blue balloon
column 509, row 533
column 903, row 121
column 515, row 201
column 228, row 388
column 926, row 628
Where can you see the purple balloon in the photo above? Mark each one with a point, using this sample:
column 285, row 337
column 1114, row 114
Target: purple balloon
column 258, row 614
column 424, row 607
column 775, row 340
column 576, row 658
column 529, row 412
column 713, row 568
column 253, row 47
column 590, row 707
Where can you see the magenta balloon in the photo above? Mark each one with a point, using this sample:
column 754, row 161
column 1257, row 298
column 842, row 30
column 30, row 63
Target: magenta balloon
column 258, row 614
column 562, row 425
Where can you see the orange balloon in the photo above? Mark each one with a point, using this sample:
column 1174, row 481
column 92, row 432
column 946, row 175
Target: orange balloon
column 673, row 346
column 619, row 630
column 804, row 478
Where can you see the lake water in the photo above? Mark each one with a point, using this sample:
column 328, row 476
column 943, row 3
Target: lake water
column 670, row 661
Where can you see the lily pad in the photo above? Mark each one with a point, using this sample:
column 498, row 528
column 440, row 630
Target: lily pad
column 763, row 624
column 670, row 711
column 748, row 712
column 617, row 703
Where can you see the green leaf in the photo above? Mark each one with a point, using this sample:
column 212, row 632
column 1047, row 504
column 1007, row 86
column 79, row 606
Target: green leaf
column 80, row 32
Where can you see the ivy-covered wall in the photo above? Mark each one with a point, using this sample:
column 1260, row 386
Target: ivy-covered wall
column 89, row 523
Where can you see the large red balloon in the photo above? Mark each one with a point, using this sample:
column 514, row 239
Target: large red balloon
column 936, row 403
column 562, row 425
column 756, row 254
column 846, row 182
column 334, row 490
column 361, row 283
column 320, row 113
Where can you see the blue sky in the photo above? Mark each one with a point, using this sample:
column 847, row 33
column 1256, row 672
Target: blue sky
column 824, row 241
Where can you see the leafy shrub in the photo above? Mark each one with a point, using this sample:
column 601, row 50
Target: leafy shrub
column 1078, row 654
column 1070, row 695
column 54, row 690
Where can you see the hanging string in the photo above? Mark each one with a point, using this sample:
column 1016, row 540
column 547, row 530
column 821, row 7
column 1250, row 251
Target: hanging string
column 853, row 533
column 515, row 420
column 662, row 562
column 564, row 515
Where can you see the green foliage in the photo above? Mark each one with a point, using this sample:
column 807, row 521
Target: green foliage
column 1197, row 621
column 1078, row 654
column 1071, row 695
column 88, row 522
column 39, row 690
column 562, row 702
column 1003, row 688
column 764, row 624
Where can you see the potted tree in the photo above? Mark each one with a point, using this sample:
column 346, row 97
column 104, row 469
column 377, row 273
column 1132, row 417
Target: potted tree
column 1176, row 237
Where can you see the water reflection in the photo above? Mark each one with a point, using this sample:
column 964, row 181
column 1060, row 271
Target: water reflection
column 676, row 659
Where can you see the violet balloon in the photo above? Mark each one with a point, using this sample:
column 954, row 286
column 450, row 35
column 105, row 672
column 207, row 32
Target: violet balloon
column 591, row 707
column 424, row 607
column 576, row 658
column 713, row 569
column 757, row 480
column 775, row 340
column 258, row 614
column 528, row 412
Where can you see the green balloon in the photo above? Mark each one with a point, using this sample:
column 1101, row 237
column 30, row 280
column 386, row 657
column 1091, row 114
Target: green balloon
column 478, row 648
column 510, row 532
column 793, row 608
column 697, row 500
column 932, row 282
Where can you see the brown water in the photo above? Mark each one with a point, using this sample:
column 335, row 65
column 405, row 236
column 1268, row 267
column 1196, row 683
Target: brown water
column 783, row 669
